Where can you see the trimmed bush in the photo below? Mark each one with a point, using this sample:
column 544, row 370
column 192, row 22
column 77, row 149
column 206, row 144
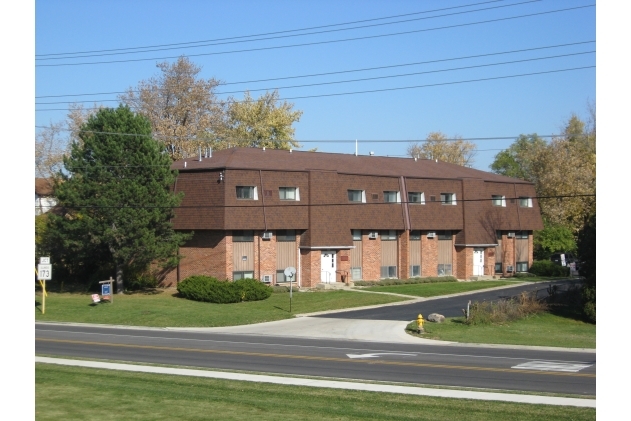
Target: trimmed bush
column 209, row 289
column 252, row 289
column 387, row 282
column 548, row 268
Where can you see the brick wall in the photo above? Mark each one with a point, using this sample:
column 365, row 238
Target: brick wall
column 429, row 257
column 371, row 258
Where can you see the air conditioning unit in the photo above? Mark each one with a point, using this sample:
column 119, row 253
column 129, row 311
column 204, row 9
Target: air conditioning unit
column 267, row 235
column 431, row 234
column 511, row 234
column 267, row 279
column 373, row 235
column 509, row 269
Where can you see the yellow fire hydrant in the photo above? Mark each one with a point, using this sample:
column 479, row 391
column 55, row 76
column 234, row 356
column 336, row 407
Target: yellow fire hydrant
column 420, row 321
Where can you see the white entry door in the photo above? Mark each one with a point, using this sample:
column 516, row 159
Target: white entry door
column 328, row 265
column 478, row 262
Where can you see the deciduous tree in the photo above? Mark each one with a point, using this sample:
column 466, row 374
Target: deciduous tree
column 263, row 122
column 183, row 108
column 437, row 146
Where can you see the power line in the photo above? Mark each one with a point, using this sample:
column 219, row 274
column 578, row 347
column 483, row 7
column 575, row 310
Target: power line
column 351, row 71
column 269, row 33
column 307, row 205
column 394, row 89
column 283, row 36
column 320, row 42
column 320, row 140
column 362, row 79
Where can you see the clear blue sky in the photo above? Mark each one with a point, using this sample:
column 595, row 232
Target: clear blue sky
column 504, row 107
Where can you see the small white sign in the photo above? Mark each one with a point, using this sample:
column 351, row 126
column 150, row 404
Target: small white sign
column 44, row 272
column 44, row 260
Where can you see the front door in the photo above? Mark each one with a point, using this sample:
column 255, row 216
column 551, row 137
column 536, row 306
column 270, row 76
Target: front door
column 478, row 262
column 328, row 264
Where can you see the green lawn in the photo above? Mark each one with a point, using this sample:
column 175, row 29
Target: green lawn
column 164, row 309
column 544, row 329
column 439, row 288
column 74, row 393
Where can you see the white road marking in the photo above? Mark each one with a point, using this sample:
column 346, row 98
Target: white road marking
column 374, row 355
column 551, row 366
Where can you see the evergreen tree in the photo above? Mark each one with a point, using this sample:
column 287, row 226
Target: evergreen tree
column 115, row 198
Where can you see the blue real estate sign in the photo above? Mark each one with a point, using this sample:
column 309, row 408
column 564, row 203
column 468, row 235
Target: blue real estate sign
column 106, row 289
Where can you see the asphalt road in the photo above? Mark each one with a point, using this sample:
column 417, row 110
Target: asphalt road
column 506, row 369
column 448, row 307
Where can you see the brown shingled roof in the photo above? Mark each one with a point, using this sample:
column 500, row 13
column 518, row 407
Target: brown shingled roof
column 274, row 159
column 43, row 186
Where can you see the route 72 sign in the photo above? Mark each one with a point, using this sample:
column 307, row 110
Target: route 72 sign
column 44, row 272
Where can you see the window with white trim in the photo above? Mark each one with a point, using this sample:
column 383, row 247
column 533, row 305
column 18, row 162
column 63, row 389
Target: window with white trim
column 357, row 196
column 499, row 200
column 448, row 198
column 357, row 235
column 416, row 198
column 289, row 193
column 521, row 267
column 247, row 192
column 525, row 202
column 242, row 275
column 392, row 197
column 415, row 271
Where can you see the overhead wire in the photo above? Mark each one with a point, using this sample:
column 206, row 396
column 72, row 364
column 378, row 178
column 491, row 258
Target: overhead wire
column 321, row 42
column 349, row 71
column 270, row 33
column 393, row 89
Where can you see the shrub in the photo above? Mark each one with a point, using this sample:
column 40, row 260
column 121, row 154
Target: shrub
column 252, row 289
column 503, row 311
column 209, row 289
column 427, row 280
column 548, row 268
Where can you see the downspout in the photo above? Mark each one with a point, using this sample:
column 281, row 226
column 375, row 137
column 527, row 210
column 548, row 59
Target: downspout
column 177, row 272
column 406, row 208
column 515, row 238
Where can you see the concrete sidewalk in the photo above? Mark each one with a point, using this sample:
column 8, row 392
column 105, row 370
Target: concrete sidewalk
column 332, row 384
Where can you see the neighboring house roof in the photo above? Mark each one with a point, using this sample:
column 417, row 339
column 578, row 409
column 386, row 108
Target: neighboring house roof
column 284, row 160
column 43, row 187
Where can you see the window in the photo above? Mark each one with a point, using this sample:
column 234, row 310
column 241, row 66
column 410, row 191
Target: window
column 391, row 197
column 415, row 235
column 388, row 235
column 415, row 270
column 498, row 235
column 521, row 234
column 357, row 196
column 289, row 193
column 499, row 200
column 388, row 271
column 498, row 267
column 416, row 197
column 448, row 198
column 444, row 270
column 242, row 275
column 242, row 236
column 356, row 274
column 247, row 192
column 357, row 235
column 444, row 235
column 286, row 235
column 522, row 267
column 525, row 202
column 280, row 277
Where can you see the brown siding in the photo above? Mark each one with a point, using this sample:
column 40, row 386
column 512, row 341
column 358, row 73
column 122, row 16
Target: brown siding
column 356, row 254
column 445, row 252
column 521, row 248
column 415, row 252
column 285, row 254
column 389, row 253
column 242, row 250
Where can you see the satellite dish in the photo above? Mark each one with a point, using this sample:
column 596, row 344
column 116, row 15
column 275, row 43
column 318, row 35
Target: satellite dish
column 290, row 272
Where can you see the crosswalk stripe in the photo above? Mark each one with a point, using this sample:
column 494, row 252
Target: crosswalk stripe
column 551, row 366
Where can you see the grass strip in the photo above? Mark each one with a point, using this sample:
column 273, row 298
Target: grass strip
column 545, row 329
column 165, row 309
column 74, row 393
column 437, row 289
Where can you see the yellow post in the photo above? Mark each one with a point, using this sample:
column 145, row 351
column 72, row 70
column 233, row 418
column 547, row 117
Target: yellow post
column 44, row 294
